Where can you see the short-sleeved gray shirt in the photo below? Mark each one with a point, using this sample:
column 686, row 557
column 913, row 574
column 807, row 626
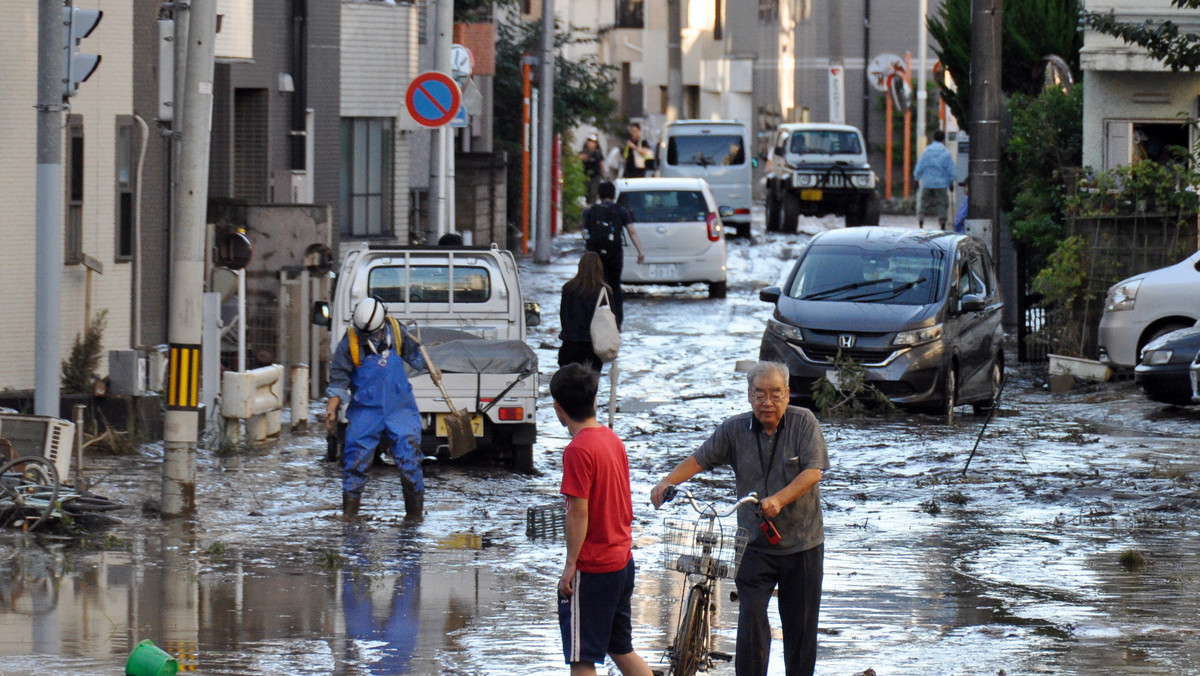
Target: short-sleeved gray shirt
column 741, row 443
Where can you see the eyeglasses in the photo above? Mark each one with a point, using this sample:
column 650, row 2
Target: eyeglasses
column 774, row 396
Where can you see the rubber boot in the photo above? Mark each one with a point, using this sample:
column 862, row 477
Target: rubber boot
column 414, row 504
column 350, row 504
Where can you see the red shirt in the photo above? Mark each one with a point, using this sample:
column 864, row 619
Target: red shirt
column 596, row 468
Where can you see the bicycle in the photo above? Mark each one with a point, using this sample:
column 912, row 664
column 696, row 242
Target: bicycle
column 703, row 550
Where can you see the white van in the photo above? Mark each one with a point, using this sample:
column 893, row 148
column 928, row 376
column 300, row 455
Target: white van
column 718, row 152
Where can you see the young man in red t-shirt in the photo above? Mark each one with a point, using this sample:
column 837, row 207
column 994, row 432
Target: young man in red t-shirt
column 596, row 586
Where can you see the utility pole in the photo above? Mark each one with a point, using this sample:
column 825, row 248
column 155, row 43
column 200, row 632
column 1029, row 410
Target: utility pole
column 545, row 133
column 443, row 138
column 48, row 295
column 866, row 111
column 193, row 106
column 922, row 71
column 983, row 209
column 674, row 60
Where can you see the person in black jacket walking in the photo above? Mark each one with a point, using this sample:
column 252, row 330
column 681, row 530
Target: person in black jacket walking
column 575, row 311
column 604, row 227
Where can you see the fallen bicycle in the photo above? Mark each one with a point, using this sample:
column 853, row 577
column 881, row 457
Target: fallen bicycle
column 31, row 498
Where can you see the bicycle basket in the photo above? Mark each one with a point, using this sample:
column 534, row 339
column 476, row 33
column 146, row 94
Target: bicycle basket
column 704, row 547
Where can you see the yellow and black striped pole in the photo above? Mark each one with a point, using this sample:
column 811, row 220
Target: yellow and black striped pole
column 183, row 381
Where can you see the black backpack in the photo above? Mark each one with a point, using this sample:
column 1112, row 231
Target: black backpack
column 602, row 228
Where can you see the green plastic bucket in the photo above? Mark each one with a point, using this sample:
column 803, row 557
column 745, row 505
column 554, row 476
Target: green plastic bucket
column 148, row 659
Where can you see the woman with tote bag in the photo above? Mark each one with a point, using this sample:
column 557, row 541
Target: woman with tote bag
column 580, row 297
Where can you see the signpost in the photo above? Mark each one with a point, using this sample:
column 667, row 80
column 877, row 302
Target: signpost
column 433, row 99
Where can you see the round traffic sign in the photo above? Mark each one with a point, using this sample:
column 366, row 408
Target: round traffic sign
column 881, row 67
column 433, row 99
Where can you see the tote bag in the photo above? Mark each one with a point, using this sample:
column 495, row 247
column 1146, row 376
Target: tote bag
column 606, row 337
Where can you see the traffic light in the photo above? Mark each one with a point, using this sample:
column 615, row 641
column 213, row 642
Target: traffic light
column 77, row 25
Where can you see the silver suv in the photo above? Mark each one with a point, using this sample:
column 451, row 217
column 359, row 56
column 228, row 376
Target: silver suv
column 818, row 169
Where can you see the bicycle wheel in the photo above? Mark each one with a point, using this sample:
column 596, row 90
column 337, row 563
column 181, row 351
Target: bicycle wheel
column 689, row 651
column 29, row 490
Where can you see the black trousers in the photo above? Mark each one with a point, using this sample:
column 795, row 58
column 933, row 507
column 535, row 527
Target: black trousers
column 578, row 352
column 799, row 579
column 612, row 277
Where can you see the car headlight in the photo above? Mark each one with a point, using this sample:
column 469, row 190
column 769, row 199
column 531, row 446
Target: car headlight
column 785, row 331
column 861, row 180
column 1122, row 296
column 918, row 336
column 805, row 180
column 1156, row 357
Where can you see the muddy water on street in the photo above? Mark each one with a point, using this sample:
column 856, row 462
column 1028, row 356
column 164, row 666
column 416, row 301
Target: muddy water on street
column 1014, row 565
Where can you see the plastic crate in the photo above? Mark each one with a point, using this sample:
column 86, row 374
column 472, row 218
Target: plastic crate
column 704, row 547
column 546, row 521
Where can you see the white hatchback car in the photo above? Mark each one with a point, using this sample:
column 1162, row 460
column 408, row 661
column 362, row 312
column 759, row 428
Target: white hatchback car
column 1146, row 306
column 680, row 228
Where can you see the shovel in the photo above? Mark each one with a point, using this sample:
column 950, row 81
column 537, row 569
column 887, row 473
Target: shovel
column 458, row 423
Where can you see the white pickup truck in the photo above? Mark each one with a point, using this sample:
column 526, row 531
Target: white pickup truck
column 465, row 304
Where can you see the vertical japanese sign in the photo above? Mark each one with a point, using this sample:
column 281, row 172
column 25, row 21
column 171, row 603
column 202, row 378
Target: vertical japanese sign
column 837, row 94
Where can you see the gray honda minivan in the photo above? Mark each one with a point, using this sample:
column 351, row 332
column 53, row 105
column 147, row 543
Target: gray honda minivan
column 919, row 310
column 718, row 152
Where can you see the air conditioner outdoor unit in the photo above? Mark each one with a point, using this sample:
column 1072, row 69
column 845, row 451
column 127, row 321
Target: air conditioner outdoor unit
column 40, row 436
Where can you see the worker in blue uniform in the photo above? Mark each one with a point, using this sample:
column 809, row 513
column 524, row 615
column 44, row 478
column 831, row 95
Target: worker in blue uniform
column 368, row 370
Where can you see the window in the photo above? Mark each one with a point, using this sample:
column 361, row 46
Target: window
column 705, row 151
column 665, row 206
column 366, row 208
column 430, row 284
column 631, row 14
column 73, row 239
column 825, row 143
column 127, row 146
column 844, row 273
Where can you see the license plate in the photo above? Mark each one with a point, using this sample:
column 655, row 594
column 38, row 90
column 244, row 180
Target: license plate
column 476, row 425
column 811, row 195
column 662, row 270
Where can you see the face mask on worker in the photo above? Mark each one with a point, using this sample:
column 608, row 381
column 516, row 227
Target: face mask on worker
column 369, row 315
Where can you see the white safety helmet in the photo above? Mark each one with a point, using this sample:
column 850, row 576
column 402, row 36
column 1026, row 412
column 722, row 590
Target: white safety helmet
column 369, row 315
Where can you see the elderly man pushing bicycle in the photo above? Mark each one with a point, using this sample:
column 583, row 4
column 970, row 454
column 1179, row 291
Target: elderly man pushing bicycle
column 778, row 451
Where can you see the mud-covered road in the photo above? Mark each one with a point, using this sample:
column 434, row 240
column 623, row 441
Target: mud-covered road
column 1014, row 565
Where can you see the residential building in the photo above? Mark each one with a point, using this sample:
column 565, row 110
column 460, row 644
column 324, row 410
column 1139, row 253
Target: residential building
column 1134, row 107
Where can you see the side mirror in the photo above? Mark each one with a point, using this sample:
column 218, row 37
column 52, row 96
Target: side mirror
column 770, row 294
column 725, row 212
column 533, row 314
column 320, row 314
column 972, row 303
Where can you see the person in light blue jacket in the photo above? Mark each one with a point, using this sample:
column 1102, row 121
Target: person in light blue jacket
column 934, row 174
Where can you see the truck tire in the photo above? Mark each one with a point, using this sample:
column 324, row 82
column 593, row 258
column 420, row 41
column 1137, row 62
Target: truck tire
column 743, row 230
column 791, row 212
column 871, row 210
column 854, row 216
column 522, row 458
column 772, row 214
column 717, row 289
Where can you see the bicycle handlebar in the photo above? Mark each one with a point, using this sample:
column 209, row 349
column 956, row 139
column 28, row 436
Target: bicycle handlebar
column 707, row 509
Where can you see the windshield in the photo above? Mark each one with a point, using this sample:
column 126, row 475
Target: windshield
column 665, row 206
column 825, row 142
column 854, row 274
column 705, row 151
column 429, row 284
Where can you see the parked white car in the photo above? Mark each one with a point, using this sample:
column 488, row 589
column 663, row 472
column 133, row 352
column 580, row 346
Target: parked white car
column 680, row 228
column 1139, row 309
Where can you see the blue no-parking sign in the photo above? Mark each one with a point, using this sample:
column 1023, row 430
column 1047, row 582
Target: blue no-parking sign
column 433, row 99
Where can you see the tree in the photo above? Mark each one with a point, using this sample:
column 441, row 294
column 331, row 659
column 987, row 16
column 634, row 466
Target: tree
column 1160, row 38
column 581, row 94
column 1033, row 30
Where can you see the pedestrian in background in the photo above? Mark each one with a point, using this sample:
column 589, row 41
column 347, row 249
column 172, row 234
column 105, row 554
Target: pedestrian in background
column 639, row 156
column 604, row 227
column 596, row 587
column 368, row 370
column 777, row 451
column 960, row 219
column 934, row 174
column 575, row 310
column 593, row 166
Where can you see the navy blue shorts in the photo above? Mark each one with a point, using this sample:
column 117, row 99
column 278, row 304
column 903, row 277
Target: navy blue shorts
column 596, row 620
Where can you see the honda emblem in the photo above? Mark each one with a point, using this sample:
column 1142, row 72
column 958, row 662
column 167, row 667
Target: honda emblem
column 846, row 340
